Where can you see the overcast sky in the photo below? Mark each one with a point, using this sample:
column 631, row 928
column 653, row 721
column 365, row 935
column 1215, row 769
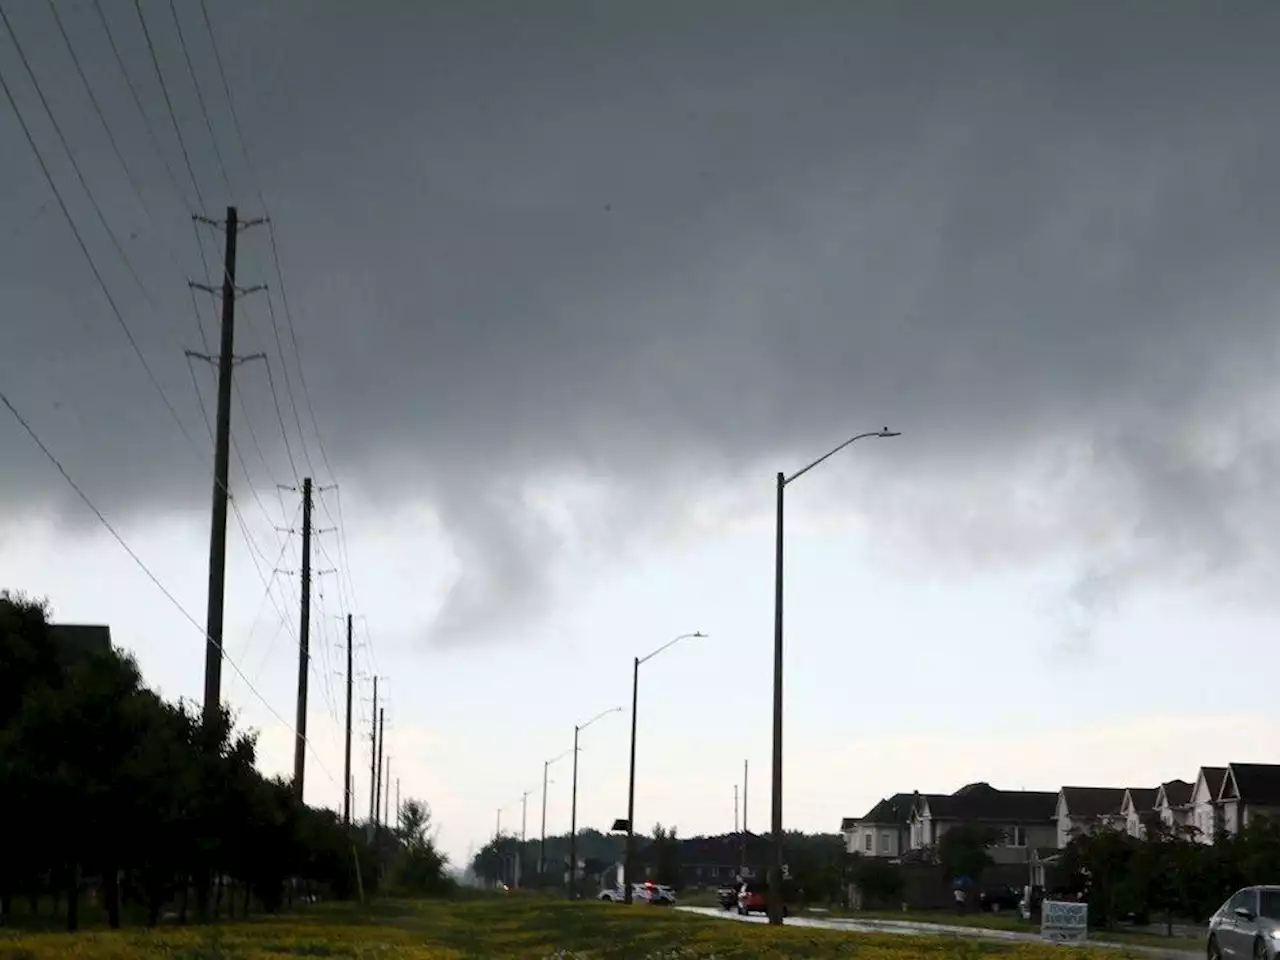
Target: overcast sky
column 569, row 282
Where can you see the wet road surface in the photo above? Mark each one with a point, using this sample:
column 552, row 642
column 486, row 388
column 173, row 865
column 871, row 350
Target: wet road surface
column 915, row 928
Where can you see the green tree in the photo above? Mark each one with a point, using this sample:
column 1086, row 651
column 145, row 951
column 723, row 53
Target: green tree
column 419, row 866
column 666, row 856
column 880, row 883
column 963, row 851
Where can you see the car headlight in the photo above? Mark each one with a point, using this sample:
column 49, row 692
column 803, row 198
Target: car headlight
column 1275, row 933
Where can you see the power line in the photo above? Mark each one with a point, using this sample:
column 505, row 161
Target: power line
column 159, row 152
column 49, row 455
column 173, row 117
column 182, row 42
column 84, row 249
column 75, row 165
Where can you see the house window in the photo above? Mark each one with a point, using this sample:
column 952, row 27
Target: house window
column 867, row 840
column 884, row 843
column 1016, row 836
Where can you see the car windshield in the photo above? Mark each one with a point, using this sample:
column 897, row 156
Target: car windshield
column 1269, row 904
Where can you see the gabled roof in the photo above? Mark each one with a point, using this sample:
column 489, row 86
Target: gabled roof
column 895, row 810
column 1093, row 801
column 847, row 824
column 1252, row 783
column 1142, row 799
column 1176, row 793
column 1212, row 777
column 981, row 802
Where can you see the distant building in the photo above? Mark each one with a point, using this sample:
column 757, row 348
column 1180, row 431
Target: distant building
column 75, row 641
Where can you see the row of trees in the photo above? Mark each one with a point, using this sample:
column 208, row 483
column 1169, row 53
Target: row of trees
column 114, row 794
column 1168, row 873
column 816, row 862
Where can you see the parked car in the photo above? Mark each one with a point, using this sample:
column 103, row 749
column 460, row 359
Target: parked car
column 1247, row 925
column 655, row 894
column 727, row 896
column 753, row 897
column 995, row 899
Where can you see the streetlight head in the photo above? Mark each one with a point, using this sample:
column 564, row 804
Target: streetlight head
column 699, row 634
column 886, row 432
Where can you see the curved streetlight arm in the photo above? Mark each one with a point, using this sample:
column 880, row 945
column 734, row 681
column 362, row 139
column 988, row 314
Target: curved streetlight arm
column 885, row 432
column 555, row 758
column 599, row 716
column 670, row 643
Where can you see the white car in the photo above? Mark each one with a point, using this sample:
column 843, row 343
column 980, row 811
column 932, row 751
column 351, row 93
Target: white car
column 653, row 893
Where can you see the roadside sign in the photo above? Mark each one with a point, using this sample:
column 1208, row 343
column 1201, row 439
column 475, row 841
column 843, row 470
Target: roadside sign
column 1064, row 921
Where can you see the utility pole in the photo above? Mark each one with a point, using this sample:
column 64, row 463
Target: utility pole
column 346, row 765
column 744, row 813
column 373, row 757
column 735, row 808
column 573, row 822
column 226, row 360
column 542, row 843
column 398, row 808
column 304, row 646
column 377, row 800
column 386, row 796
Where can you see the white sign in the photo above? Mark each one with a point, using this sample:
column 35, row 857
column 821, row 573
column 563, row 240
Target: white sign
column 1064, row 921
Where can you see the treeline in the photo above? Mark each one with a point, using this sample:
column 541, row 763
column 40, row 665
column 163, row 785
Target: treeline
column 1168, row 874
column 816, row 863
column 116, row 797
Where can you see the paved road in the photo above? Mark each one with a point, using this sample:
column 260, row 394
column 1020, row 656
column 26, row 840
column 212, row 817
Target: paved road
column 915, row 928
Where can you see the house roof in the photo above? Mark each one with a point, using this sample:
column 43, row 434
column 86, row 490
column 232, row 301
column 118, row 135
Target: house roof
column 1142, row 798
column 983, row 802
column 848, row 824
column 75, row 640
column 1213, row 778
column 1255, row 782
column 1093, row 801
column 895, row 810
column 1177, row 793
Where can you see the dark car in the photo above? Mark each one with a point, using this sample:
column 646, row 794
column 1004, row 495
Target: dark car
column 727, row 897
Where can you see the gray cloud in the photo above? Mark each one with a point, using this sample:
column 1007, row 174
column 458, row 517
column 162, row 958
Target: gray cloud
column 657, row 247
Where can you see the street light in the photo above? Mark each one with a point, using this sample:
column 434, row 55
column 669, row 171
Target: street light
column 775, row 868
column 631, row 786
column 542, row 845
column 573, row 812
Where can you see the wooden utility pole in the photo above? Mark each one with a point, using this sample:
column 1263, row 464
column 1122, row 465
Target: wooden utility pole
column 225, row 361
column 377, row 800
column 346, row 764
column 373, row 757
column 735, row 808
column 304, row 647
column 386, row 796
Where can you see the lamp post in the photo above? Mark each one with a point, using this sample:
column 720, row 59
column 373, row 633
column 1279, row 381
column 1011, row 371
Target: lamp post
column 542, row 844
column 775, row 868
column 573, row 811
column 631, row 784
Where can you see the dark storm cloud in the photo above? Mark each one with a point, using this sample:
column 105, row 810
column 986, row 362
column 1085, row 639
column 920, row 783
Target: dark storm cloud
column 642, row 241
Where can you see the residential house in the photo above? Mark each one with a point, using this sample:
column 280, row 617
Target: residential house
column 1173, row 804
column 885, row 831
column 1139, row 810
column 74, row 641
column 1024, row 819
column 1206, row 808
column 705, row 861
column 1082, row 809
column 1249, row 791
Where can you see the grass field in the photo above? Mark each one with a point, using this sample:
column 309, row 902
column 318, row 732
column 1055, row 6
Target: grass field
column 493, row 929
